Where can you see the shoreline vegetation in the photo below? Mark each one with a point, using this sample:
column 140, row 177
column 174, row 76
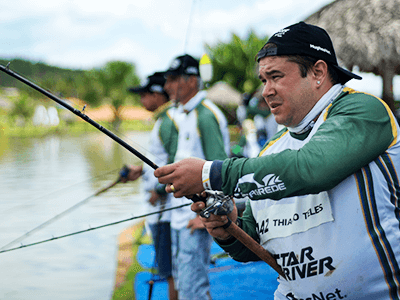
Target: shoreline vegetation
column 137, row 119
column 65, row 128
column 77, row 128
column 134, row 119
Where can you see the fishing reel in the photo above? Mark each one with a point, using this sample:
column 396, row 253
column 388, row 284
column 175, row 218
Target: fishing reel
column 218, row 204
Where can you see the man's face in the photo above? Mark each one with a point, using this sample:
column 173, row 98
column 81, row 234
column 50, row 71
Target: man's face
column 149, row 101
column 179, row 88
column 289, row 96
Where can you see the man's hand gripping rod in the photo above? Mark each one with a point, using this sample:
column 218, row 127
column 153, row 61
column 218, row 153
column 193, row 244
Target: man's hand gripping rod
column 219, row 204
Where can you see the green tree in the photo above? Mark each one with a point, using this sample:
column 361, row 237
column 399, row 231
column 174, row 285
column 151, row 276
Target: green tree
column 57, row 80
column 23, row 108
column 109, row 84
column 234, row 62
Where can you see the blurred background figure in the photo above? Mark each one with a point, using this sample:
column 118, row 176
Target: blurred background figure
column 203, row 133
column 256, row 123
column 163, row 146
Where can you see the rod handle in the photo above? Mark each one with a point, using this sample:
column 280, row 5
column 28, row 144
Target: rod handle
column 250, row 243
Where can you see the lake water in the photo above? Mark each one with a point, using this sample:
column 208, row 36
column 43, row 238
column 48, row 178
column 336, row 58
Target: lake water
column 41, row 178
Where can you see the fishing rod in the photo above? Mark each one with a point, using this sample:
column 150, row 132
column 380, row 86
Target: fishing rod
column 84, row 117
column 90, row 229
column 235, row 231
column 123, row 173
column 80, row 114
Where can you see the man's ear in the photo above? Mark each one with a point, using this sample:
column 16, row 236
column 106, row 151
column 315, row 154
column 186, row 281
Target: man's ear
column 320, row 72
column 193, row 81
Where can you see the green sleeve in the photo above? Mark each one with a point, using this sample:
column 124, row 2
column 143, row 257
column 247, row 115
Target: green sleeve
column 236, row 249
column 169, row 136
column 357, row 130
column 211, row 135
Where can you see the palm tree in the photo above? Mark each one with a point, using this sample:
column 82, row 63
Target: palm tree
column 234, row 62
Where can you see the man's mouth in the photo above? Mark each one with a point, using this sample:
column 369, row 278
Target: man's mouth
column 273, row 106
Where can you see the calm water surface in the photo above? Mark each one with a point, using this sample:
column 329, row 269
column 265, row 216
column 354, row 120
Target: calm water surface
column 41, row 178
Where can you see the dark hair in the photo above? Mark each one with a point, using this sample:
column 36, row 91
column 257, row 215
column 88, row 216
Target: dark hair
column 306, row 63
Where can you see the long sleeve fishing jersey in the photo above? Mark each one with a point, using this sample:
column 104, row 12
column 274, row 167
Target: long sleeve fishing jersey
column 325, row 204
column 203, row 133
column 162, row 145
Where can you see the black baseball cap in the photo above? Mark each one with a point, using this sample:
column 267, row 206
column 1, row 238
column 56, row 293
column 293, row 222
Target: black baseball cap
column 153, row 84
column 183, row 65
column 308, row 40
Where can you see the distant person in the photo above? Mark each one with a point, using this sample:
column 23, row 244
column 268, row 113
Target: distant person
column 203, row 133
column 257, row 125
column 162, row 146
column 325, row 191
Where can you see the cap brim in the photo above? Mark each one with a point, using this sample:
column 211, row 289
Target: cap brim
column 137, row 90
column 345, row 75
column 172, row 73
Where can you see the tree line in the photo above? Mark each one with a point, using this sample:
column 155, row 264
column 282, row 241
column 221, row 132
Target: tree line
column 233, row 62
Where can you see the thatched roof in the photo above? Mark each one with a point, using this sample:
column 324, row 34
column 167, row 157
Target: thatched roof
column 365, row 33
column 223, row 94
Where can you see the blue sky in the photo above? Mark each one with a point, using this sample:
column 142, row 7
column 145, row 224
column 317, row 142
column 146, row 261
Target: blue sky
column 82, row 34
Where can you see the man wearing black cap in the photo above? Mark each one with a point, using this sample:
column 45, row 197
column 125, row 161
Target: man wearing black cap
column 327, row 184
column 162, row 146
column 203, row 133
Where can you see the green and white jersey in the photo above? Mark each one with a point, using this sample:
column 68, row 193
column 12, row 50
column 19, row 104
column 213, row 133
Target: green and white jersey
column 325, row 204
column 203, row 133
column 162, row 145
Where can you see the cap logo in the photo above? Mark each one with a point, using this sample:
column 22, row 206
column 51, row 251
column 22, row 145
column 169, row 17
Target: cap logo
column 281, row 32
column 318, row 48
column 146, row 82
column 191, row 70
column 175, row 64
column 155, row 88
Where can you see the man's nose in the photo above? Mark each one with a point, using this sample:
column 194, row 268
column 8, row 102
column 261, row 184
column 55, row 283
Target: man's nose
column 268, row 90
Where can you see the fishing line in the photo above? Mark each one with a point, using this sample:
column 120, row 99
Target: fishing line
column 56, row 217
column 92, row 228
column 189, row 26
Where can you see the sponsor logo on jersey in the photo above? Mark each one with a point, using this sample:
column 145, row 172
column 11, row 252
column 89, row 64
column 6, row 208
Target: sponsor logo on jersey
column 335, row 295
column 271, row 184
column 302, row 265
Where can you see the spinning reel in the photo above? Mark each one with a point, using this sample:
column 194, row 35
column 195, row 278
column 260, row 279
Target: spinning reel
column 218, row 204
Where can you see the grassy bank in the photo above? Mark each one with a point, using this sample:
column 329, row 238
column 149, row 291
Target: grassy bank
column 75, row 128
column 80, row 127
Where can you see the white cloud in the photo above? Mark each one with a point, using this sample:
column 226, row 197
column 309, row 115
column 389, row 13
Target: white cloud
column 88, row 33
column 81, row 33
column 122, row 49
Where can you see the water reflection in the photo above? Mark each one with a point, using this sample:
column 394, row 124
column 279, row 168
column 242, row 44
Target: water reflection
column 40, row 178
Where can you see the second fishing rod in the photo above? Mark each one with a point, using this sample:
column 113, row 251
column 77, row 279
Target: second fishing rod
column 233, row 228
